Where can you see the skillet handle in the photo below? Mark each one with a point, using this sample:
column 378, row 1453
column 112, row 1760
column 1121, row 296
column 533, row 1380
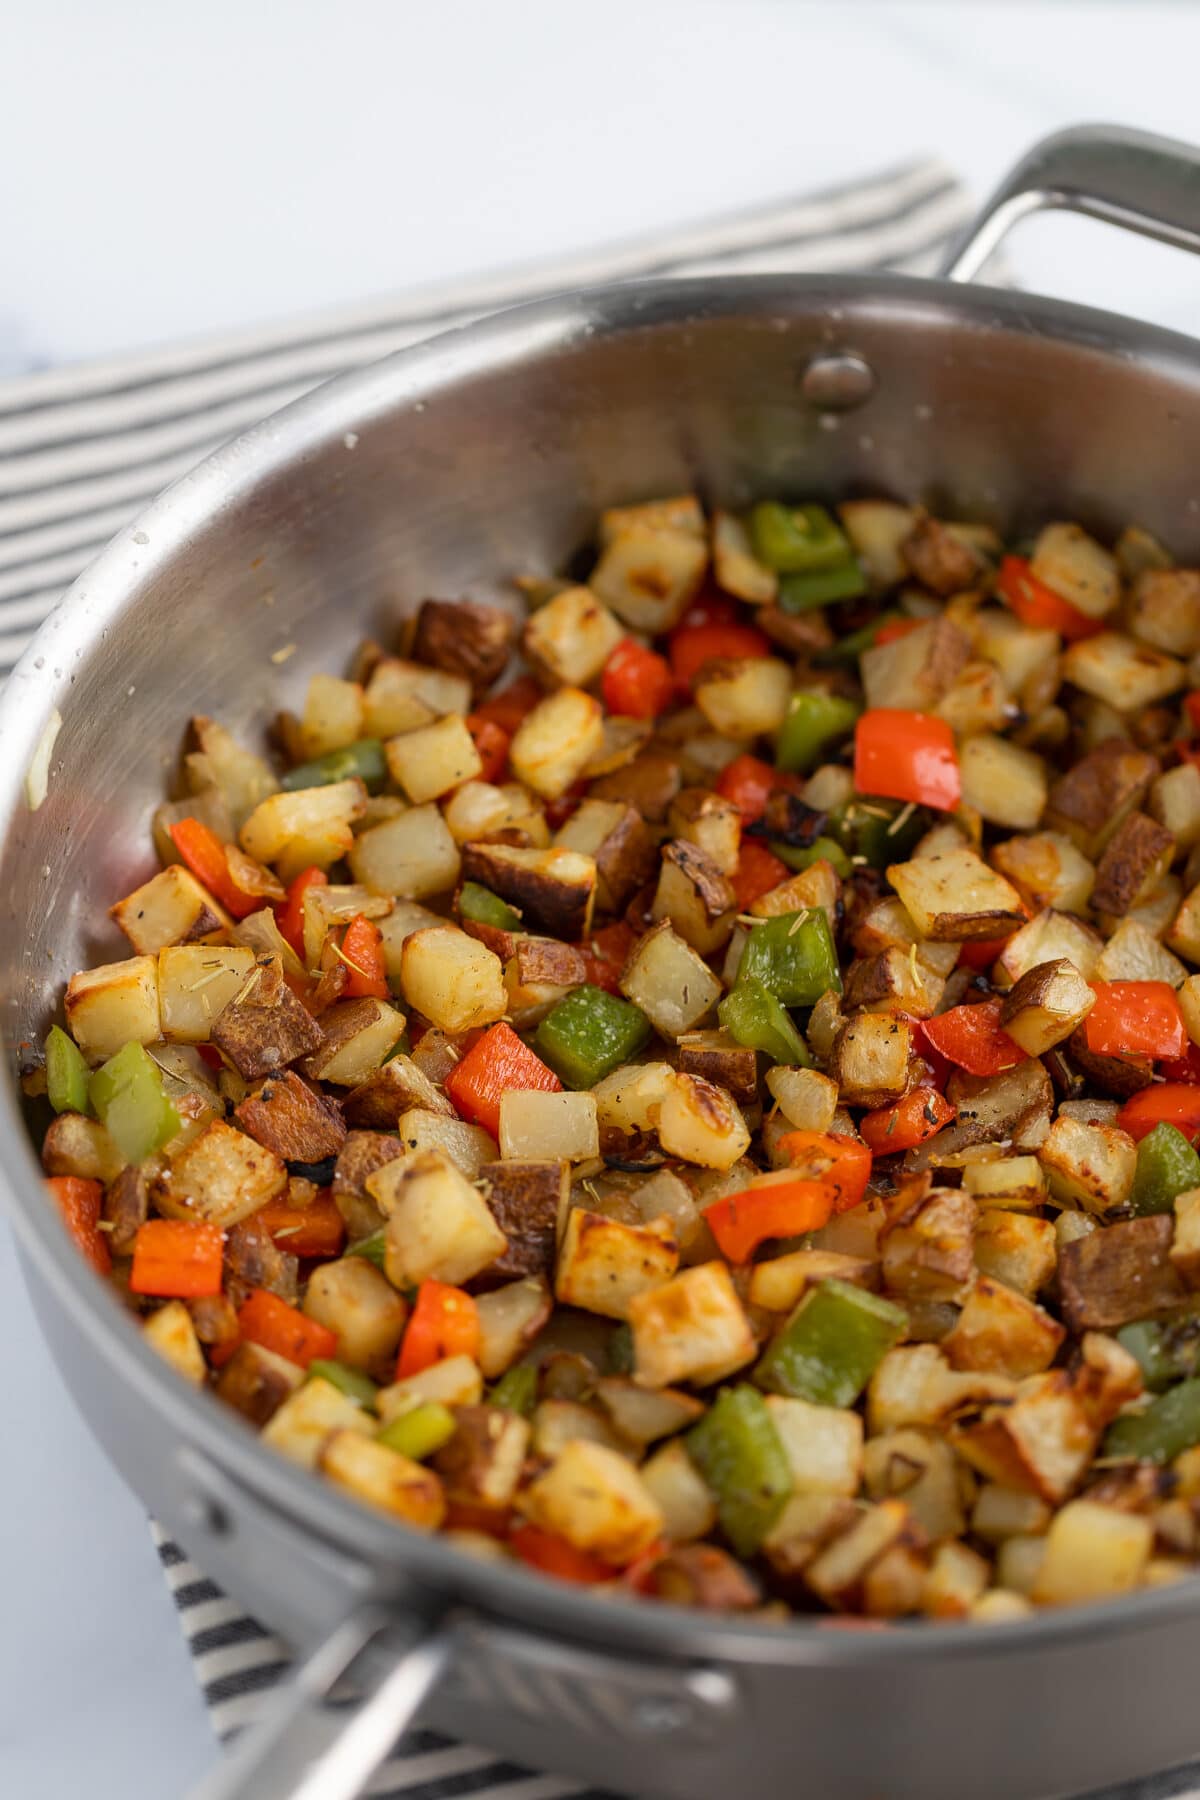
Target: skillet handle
column 1134, row 179
column 314, row 1744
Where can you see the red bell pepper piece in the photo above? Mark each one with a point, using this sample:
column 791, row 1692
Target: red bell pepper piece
column 773, row 1209
column 835, row 1160
column 290, row 917
column 605, row 953
column 559, row 810
column 507, row 708
column 896, row 629
column 980, row 953
column 1135, row 1018
column 1184, row 1068
column 79, row 1199
column 204, row 854
column 270, row 1322
column 907, row 1122
column 496, row 1063
column 491, row 741
column 691, row 646
column 553, row 1555
column 1192, row 704
column 637, row 683
column 1167, row 1102
column 711, row 607
column 906, row 756
column 971, row 1037
column 362, row 952
column 758, row 871
column 1036, row 604
column 444, row 1322
column 749, row 784
column 314, row 1230
column 177, row 1258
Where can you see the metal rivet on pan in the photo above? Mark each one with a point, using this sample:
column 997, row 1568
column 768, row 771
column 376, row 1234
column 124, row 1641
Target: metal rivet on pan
column 837, row 381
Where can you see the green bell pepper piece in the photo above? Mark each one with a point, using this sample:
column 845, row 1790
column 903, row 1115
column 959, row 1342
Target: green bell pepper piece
column 815, row 720
column 738, row 1451
column 417, row 1434
column 1168, row 1426
column 880, row 831
column 792, row 539
column 793, row 957
column 618, row 1351
column 850, row 648
column 366, row 759
column 829, row 1348
column 821, row 587
column 480, row 905
column 372, row 1249
column 401, row 1047
column 588, row 1033
column 1166, row 1165
column 1166, row 1350
column 66, row 1073
column 351, row 1382
column 516, row 1390
column 127, row 1093
column 825, row 849
column 753, row 1016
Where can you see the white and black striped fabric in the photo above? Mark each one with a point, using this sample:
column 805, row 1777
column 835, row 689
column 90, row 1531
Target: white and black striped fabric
column 85, row 446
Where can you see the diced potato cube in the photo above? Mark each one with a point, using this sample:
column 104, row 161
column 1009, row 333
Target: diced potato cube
column 1175, row 802
column 1049, row 937
column 196, row 982
column 823, row 1444
column 1183, row 936
column 671, row 983
column 692, row 1328
column 572, row 636
column 1001, row 1512
column 510, row 1318
column 314, row 821
column 701, row 1124
column 412, row 855
column 1002, row 1332
column 403, row 696
column 648, row 575
column 222, row 1176
column 1098, row 791
column 870, row 1060
column 1009, row 1181
column 403, row 1489
column 747, row 698
column 357, row 1302
column 171, row 908
column 1092, row 1551
column 1078, row 568
column 618, row 841
column 837, row 1572
column 806, row 1098
column 112, row 1005
column 1091, row 1166
column 629, row 1098
column 439, row 1226
column 432, row 761
column 781, row 1282
column 1122, row 672
column 1044, row 1007
column 680, row 1492
column 333, row 715
column 915, row 1385
column 1137, row 856
column 1047, row 870
column 1016, row 1249
column 596, row 1499
column 877, row 529
column 545, row 1127
column 358, row 1035
column 74, row 1145
column 455, row 1381
column 818, row 885
column 956, row 1580
column 170, row 1331
column 1005, row 784
column 920, row 1468
column 1164, row 610
column 1018, row 651
column 695, row 896
column 603, row 1264
column 680, row 512
column 955, row 896
column 712, row 823
column 299, row 1428
column 554, row 890
column 453, row 979
column 735, row 566
column 554, row 743
column 1134, row 954
column 928, row 1250
column 914, row 671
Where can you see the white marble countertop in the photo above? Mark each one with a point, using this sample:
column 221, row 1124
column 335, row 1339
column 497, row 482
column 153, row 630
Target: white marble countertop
column 167, row 171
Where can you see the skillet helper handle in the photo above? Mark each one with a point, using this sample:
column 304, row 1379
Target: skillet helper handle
column 1134, row 179
column 313, row 1745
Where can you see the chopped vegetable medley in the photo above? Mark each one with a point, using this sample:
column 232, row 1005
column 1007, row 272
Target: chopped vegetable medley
column 713, row 1115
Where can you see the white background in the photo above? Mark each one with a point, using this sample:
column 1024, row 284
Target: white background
column 169, row 169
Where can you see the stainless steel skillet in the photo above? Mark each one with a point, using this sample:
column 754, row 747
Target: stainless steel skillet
column 442, row 470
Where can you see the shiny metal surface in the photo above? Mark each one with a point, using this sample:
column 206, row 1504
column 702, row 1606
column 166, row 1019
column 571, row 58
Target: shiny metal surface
column 442, row 471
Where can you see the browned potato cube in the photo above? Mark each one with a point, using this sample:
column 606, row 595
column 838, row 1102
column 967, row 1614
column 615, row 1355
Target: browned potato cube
column 870, row 1060
column 1002, row 1332
column 1138, row 855
column 692, row 1328
column 553, row 890
column 695, row 896
column 955, row 895
column 1122, row 1273
column 1045, row 1005
column 602, row 1264
column 1091, row 799
column 464, row 638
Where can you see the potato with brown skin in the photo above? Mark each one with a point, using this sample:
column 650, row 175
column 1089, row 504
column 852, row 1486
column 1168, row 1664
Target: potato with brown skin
column 125, row 1208
column 464, row 638
column 1138, row 855
column 709, row 821
column 297, row 1122
column 620, row 843
column 526, row 1199
column 265, row 1027
column 1092, row 798
column 544, row 959
column 362, row 1153
column 254, row 1260
column 695, row 895
column 1119, row 1274
column 553, row 890
column 1015, row 1105
column 648, row 784
column 484, row 1459
column 940, row 560
column 799, row 634
column 379, row 1102
column 1045, row 1006
column 1117, row 1076
column 928, row 1250
column 715, row 1057
column 256, row 1382
column 870, row 1062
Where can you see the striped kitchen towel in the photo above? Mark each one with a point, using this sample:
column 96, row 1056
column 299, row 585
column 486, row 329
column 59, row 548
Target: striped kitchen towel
column 85, row 446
